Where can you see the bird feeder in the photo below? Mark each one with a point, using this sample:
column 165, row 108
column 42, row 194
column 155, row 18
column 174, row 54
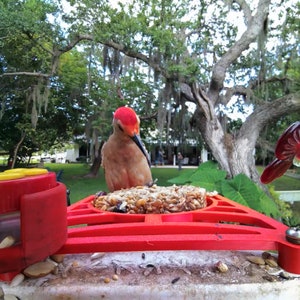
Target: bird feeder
column 222, row 225
column 32, row 216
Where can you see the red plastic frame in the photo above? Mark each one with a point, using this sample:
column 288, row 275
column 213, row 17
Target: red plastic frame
column 222, row 225
column 43, row 230
column 12, row 190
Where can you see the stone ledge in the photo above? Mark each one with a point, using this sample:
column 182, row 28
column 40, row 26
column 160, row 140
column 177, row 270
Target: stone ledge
column 160, row 275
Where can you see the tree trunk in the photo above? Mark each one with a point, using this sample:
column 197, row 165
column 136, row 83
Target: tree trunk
column 94, row 170
column 23, row 134
column 242, row 158
column 236, row 153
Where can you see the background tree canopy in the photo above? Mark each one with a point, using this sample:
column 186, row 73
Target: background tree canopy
column 65, row 67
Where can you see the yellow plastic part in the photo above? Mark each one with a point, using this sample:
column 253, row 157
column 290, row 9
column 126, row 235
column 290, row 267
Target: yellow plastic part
column 11, row 175
column 35, row 171
column 16, row 170
column 21, row 172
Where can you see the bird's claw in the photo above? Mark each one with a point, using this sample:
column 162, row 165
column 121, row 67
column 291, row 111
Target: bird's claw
column 100, row 193
column 151, row 183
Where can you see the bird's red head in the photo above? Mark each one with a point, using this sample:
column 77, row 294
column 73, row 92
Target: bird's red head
column 128, row 120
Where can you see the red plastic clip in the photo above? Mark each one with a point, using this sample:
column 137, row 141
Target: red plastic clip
column 222, row 225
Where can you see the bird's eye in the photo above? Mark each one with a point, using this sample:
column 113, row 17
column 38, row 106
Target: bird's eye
column 120, row 127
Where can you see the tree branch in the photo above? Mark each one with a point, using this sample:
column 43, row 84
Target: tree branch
column 255, row 83
column 149, row 117
column 56, row 53
column 76, row 40
column 254, row 28
column 246, row 10
column 127, row 51
column 276, row 109
column 36, row 74
column 203, row 101
column 238, row 90
column 247, row 92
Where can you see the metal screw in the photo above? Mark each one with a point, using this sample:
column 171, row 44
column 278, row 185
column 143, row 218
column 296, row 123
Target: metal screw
column 293, row 234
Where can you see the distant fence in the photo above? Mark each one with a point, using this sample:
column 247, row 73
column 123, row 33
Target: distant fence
column 289, row 196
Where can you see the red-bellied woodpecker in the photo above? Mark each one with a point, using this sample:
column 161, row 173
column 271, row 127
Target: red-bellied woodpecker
column 124, row 159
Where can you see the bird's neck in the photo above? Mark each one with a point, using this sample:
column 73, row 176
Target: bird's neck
column 120, row 135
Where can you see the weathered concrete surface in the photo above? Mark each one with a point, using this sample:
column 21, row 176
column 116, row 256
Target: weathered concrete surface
column 161, row 275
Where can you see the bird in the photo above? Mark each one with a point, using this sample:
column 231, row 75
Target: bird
column 124, row 158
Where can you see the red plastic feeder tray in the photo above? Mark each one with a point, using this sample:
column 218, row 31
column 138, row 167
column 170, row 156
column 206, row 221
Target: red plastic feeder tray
column 222, row 225
column 33, row 209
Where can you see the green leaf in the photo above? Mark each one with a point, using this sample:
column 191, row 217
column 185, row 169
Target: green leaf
column 209, row 186
column 267, row 205
column 240, row 189
column 183, row 178
column 208, row 165
column 244, row 191
column 207, row 178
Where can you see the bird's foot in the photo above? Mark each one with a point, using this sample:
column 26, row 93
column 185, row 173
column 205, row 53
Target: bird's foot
column 100, row 193
column 152, row 183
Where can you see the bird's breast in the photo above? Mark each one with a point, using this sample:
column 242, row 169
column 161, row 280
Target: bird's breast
column 125, row 165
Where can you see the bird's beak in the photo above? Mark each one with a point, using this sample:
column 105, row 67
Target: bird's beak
column 136, row 138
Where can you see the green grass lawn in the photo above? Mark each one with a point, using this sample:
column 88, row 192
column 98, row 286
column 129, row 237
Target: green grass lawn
column 81, row 187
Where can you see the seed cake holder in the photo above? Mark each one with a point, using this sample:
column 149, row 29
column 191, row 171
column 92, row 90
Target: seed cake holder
column 222, row 225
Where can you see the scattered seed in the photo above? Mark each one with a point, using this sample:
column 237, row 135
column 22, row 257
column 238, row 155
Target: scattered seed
column 271, row 262
column 97, row 255
column 106, row 280
column 18, row 279
column 52, row 261
column 284, row 275
column 75, row 264
column 98, row 265
column 143, row 255
column 175, row 280
column 115, row 277
column 269, row 278
column 58, row 258
column 221, row 267
column 39, row 269
column 158, row 270
column 7, row 242
column 118, row 270
column 55, row 271
column 186, row 270
column 256, row 260
column 148, row 271
column 119, row 266
column 266, row 255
